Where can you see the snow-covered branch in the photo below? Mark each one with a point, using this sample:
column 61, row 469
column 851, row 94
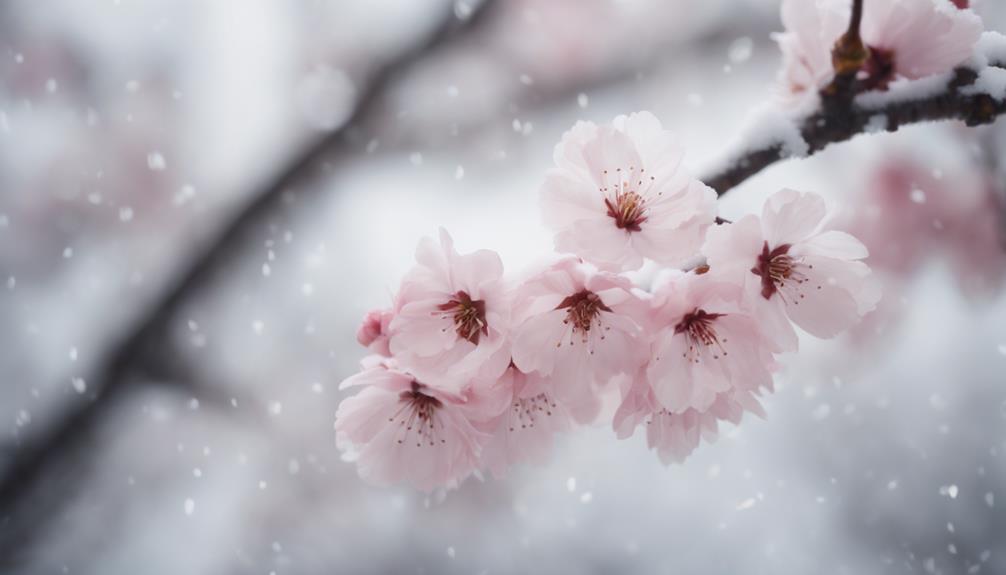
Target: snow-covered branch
column 974, row 93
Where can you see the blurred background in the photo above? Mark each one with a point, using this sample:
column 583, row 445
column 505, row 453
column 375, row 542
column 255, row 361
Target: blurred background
column 163, row 416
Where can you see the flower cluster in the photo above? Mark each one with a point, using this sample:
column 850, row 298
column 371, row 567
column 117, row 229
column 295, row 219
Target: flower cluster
column 474, row 371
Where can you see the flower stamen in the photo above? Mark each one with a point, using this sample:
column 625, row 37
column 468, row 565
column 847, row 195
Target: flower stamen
column 625, row 199
column 700, row 333
column 469, row 316
column 781, row 273
column 418, row 414
column 583, row 312
column 526, row 411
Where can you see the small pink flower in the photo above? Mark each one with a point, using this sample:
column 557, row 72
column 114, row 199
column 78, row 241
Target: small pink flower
column 907, row 39
column 373, row 332
column 706, row 345
column 402, row 430
column 794, row 271
column 676, row 435
column 812, row 27
column 524, row 432
column 452, row 316
column 579, row 327
column 619, row 194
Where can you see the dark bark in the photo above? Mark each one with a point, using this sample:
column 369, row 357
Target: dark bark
column 832, row 125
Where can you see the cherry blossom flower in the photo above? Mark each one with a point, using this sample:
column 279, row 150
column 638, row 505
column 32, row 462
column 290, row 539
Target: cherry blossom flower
column 453, row 316
column 793, row 270
column 524, row 432
column 812, row 27
column 707, row 344
column 619, row 194
column 675, row 436
column 402, row 430
column 580, row 327
column 906, row 38
column 373, row 332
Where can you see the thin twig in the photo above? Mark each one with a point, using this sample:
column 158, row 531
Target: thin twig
column 115, row 372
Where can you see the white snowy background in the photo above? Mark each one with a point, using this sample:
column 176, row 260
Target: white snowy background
column 131, row 129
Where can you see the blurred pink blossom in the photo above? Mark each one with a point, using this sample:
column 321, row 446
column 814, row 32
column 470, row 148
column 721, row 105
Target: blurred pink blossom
column 373, row 331
column 909, row 214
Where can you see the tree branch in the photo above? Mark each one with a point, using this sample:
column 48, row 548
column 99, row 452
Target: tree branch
column 131, row 352
column 910, row 103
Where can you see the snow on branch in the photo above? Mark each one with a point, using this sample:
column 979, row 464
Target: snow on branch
column 974, row 93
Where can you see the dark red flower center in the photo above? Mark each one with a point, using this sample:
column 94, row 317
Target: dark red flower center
column 699, row 330
column 623, row 197
column 699, row 325
column 879, row 69
column 582, row 310
column 775, row 267
column 417, row 414
column 628, row 210
column 469, row 316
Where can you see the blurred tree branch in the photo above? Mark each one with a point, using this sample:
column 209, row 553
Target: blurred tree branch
column 834, row 123
column 138, row 349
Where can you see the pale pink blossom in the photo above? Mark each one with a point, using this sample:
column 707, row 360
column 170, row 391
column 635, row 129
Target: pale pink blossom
column 403, row 431
column 918, row 38
column 524, row 432
column 374, row 331
column 579, row 327
column 619, row 194
column 675, row 436
column 452, row 316
column 811, row 29
column 907, row 39
column 909, row 213
column 793, row 270
column 898, row 230
column 707, row 344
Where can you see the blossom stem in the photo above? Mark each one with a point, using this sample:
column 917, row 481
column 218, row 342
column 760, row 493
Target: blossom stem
column 848, row 56
column 855, row 20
